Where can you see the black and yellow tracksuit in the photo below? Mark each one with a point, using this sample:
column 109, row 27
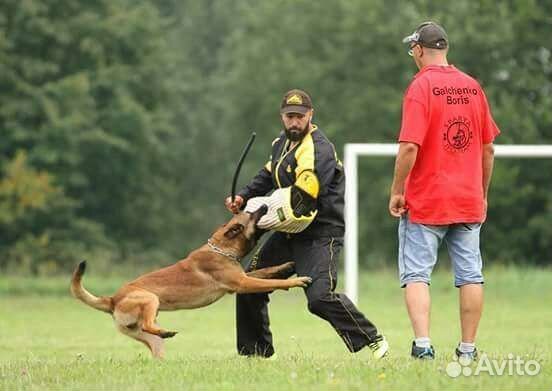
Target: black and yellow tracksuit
column 314, row 250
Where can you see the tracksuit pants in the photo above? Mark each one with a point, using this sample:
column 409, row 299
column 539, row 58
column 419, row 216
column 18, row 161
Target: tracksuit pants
column 315, row 258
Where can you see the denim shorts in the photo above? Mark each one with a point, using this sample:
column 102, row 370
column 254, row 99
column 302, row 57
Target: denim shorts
column 419, row 245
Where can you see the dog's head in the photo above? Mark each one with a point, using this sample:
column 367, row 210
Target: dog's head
column 241, row 232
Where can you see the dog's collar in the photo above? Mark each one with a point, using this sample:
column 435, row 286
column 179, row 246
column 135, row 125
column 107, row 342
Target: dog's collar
column 217, row 250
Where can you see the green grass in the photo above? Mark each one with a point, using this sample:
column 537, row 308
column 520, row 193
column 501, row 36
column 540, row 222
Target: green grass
column 50, row 341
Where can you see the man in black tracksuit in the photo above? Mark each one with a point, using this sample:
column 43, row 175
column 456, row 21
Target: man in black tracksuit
column 302, row 149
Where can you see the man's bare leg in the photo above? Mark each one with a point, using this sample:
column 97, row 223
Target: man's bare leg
column 418, row 304
column 471, row 307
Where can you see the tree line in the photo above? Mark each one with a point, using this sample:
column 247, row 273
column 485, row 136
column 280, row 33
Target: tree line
column 121, row 121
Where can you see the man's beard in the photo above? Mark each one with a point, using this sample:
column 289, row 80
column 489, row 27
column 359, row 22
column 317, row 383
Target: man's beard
column 296, row 134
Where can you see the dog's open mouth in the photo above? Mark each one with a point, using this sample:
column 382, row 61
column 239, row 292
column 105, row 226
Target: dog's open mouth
column 256, row 216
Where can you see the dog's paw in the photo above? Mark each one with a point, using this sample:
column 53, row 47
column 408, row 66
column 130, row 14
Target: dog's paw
column 168, row 334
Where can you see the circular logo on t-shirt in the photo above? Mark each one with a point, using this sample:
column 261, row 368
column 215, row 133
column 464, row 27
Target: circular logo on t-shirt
column 457, row 136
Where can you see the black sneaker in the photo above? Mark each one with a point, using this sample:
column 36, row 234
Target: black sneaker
column 422, row 353
column 468, row 357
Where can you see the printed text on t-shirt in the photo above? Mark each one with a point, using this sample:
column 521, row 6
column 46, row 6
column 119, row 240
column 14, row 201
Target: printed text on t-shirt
column 455, row 95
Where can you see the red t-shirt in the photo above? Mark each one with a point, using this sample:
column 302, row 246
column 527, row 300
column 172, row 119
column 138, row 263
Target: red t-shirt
column 446, row 113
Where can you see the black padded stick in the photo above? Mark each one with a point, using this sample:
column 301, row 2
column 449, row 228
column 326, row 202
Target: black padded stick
column 238, row 168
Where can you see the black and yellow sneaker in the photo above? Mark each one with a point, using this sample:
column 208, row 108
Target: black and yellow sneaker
column 379, row 346
column 422, row 353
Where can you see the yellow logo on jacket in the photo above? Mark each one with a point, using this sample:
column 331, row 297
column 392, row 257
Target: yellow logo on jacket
column 308, row 182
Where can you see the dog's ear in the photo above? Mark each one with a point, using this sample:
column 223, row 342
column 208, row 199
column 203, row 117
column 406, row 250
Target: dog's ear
column 220, row 227
column 233, row 231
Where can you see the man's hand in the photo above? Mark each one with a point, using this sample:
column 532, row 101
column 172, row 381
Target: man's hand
column 235, row 206
column 397, row 205
column 406, row 157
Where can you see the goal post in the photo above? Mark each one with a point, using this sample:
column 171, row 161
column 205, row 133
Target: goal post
column 352, row 153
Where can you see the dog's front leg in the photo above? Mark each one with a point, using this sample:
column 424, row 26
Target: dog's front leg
column 284, row 270
column 246, row 284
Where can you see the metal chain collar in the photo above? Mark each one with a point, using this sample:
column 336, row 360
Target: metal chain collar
column 217, row 250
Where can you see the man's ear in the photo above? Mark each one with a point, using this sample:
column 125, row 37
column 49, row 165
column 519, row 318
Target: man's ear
column 233, row 231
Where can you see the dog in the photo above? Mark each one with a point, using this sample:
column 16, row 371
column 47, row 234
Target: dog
column 207, row 274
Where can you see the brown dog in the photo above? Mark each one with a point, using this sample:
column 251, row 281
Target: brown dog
column 203, row 277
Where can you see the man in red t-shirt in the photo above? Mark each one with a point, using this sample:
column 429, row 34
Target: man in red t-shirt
column 442, row 176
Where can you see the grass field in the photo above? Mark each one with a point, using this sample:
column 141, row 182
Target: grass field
column 48, row 340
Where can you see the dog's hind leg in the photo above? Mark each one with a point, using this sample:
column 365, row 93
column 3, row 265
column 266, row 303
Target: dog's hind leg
column 149, row 313
column 135, row 316
column 154, row 343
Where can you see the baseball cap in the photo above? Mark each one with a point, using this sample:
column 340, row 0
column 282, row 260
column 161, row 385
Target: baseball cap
column 296, row 101
column 429, row 35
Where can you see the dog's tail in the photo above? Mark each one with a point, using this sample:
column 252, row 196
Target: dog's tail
column 102, row 303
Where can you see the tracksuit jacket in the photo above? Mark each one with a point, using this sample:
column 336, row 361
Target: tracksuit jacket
column 316, row 153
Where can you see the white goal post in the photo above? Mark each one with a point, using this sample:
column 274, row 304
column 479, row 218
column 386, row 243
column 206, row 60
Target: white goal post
column 352, row 152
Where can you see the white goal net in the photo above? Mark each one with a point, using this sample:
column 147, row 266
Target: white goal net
column 352, row 153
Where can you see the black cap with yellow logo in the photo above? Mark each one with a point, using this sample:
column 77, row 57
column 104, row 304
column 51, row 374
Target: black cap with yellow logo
column 296, row 101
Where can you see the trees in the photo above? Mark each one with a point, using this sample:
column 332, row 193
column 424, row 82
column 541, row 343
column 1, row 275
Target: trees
column 136, row 112
column 349, row 56
column 84, row 95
